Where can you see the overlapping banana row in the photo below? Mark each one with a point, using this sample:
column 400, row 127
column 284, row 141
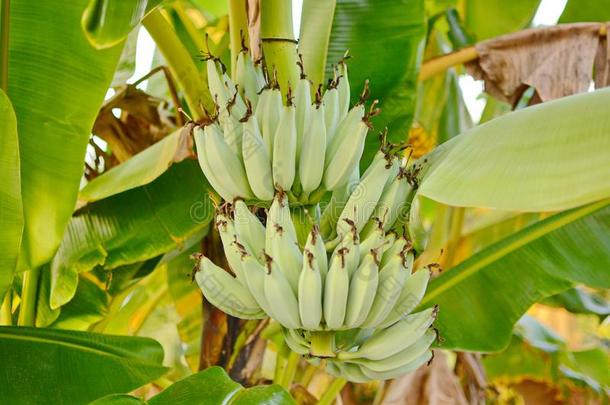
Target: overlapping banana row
column 261, row 142
column 362, row 293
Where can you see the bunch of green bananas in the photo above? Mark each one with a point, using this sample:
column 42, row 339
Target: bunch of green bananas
column 258, row 143
column 352, row 306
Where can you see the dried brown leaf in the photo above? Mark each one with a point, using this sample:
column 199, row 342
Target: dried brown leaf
column 557, row 61
column 143, row 120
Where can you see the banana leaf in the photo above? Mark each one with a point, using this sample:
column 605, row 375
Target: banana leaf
column 67, row 367
column 139, row 170
column 385, row 39
column 482, row 297
column 549, row 157
column 132, row 226
column 211, row 386
column 11, row 219
column 56, row 84
column 490, row 18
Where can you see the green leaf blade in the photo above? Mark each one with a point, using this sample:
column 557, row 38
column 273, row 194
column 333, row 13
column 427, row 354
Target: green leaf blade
column 385, row 40
column 481, row 298
column 132, row 226
column 56, row 87
column 55, row 366
column 11, row 208
column 549, row 157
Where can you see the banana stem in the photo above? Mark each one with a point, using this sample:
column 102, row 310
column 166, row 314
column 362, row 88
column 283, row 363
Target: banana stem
column 333, row 390
column 279, row 45
column 323, row 344
column 238, row 26
column 6, row 312
column 308, row 375
column 181, row 64
column 291, row 369
column 29, row 295
column 280, row 368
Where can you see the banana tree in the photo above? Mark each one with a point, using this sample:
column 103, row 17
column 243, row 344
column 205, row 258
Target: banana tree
column 332, row 282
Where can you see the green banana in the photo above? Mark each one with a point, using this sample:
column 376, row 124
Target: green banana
column 255, row 274
column 271, row 118
column 336, row 288
column 249, row 228
column 348, row 371
column 349, row 140
column 216, row 183
column 331, row 109
column 279, row 213
column 310, row 293
column 232, row 130
column 296, row 344
column 261, row 110
column 363, row 199
column 392, row 277
column 233, row 251
column 395, row 338
column 280, row 296
column 392, row 201
column 257, row 161
column 405, row 356
column 219, row 92
column 343, row 89
column 302, row 102
column 225, row 292
column 284, row 150
column 223, row 160
column 281, row 241
column 250, row 80
column 287, row 255
column 396, row 372
column 362, row 291
column 412, row 293
column 350, row 249
column 376, row 240
column 313, row 147
column 236, row 103
column 400, row 244
column 315, row 245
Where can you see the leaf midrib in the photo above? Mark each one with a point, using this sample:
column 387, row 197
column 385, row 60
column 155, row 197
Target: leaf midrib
column 513, row 243
column 108, row 352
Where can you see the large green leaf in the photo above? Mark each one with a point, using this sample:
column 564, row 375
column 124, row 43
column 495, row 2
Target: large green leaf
column 548, row 157
column 57, row 82
column 66, row 367
column 585, row 11
column 139, row 170
column 11, row 209
column 490, row 18
column 211, row 386
column 132, row 226
column 482, row 297
column 385, row 39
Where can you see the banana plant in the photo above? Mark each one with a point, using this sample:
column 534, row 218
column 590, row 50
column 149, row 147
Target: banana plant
column 307, row 219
